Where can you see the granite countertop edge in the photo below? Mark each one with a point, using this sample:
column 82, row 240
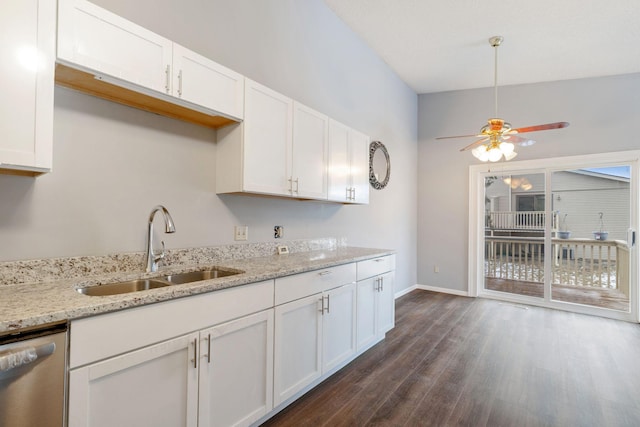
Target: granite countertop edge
column 26, row 306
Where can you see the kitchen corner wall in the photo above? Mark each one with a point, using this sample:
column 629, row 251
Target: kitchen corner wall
column 603, row 115
column 113, row 164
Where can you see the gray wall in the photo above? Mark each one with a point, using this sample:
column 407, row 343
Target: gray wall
column 112, row 164
column 603, row 113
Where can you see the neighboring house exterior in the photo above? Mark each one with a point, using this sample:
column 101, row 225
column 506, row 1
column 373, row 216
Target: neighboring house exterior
column 579, row 196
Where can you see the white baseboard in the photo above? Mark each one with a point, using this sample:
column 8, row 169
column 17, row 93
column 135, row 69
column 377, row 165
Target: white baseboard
column 431, row 288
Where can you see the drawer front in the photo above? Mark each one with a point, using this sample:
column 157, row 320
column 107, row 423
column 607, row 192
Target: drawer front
column 301, row 285
column 376, row 266
column 99, row 337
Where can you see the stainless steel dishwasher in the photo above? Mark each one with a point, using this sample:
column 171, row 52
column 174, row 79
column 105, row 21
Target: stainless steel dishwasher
column 32, row 377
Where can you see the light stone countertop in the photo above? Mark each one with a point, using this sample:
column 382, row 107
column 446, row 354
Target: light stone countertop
column 31, row 305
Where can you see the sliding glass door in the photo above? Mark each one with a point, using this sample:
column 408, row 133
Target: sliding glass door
column 558, row 233
column 591, row 248
column 514, row 233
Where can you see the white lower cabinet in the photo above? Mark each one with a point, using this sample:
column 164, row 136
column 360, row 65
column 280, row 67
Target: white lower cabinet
column 316, row 334
column 229, row 357
column 375, row 298
column 298, row 346
column 153, row 386
column 236, row 371
column 375, row 309
column 142, row 366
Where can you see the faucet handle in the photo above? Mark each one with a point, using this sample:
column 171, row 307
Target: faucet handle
column 162, row 254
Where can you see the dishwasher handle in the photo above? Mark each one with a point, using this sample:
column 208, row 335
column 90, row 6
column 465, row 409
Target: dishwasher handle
column 16, row 358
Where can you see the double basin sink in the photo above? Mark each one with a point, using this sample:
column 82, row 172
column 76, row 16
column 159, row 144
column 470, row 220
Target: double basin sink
column 156, row 282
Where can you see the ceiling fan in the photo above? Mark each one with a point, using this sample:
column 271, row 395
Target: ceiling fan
column 497, row 136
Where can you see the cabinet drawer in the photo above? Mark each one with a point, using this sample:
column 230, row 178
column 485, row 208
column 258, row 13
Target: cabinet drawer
column 301, row 285
column 376, row 266
column 99, row 337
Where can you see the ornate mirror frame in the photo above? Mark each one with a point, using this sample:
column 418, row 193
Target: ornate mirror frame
column 374, row 176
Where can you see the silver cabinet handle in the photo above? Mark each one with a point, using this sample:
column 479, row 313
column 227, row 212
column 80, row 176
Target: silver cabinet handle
column 297, row 185
column 209, row 349
column 180, row 84
column 167, row 81
column 348, row 191
column 195, row 353
column 379, row 260
column 322, row 302
column 382, row 284
column 353, row 194
column 290, row 185
column 325, row 273
column 328, row 303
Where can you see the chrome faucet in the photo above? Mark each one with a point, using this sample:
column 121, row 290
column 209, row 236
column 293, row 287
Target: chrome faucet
column 151, row 258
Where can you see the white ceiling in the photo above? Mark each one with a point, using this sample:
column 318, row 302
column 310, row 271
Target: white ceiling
column 442, row 45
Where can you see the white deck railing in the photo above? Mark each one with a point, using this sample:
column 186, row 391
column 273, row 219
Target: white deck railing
column 519, row 220
column 576, row 262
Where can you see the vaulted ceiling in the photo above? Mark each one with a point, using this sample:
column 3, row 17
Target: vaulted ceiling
column 437, row 46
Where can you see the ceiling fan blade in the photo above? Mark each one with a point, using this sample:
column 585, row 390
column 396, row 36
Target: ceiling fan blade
column 459, row 136
column 556, row 125
column 475, row 144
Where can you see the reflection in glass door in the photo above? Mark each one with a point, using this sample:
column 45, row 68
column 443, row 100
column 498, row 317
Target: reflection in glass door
column 590, row 263
column 514, row 234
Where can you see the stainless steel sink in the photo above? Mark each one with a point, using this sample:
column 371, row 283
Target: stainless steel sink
column 123, row 287
column 158, row 282
column 196, row 276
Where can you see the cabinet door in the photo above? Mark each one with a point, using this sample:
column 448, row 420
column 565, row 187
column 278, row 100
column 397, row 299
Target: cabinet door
column 298, row 342
column 339, row 171
column 339, row 327
column 236, row 371
column 97, row 40
column 154, row 386
column 267, row 140
column 386, row 304
column 27, row 31
column 206, row 83
column 367, row 333
column 310, row 140
column 359, row 166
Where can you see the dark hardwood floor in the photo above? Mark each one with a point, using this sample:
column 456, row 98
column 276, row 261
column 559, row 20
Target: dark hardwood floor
column 457, row 361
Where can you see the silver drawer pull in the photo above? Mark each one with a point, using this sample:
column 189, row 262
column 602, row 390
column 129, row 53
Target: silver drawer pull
column 379, row 260
column 325, row 273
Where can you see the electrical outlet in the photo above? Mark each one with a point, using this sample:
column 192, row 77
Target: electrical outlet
column 241, row 232
column 278, row 232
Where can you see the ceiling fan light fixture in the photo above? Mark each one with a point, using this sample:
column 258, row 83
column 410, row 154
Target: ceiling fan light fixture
column 481, row 153
column 506, row 148
column 494, row 154
column 510, row 156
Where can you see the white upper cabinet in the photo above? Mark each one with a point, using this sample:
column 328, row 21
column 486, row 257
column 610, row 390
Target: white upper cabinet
column 267, row 141
column 204, row 82
column 359, row 166
column 97, row 40
column 309, row 159
column 280, row 148
column 27, row 31
column 130, row 63
column 348, row 164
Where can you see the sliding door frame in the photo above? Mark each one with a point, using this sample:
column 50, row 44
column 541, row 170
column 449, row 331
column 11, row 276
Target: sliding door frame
column 477, row 174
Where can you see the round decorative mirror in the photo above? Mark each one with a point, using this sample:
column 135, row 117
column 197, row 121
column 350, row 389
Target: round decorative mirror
column 379, row 165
